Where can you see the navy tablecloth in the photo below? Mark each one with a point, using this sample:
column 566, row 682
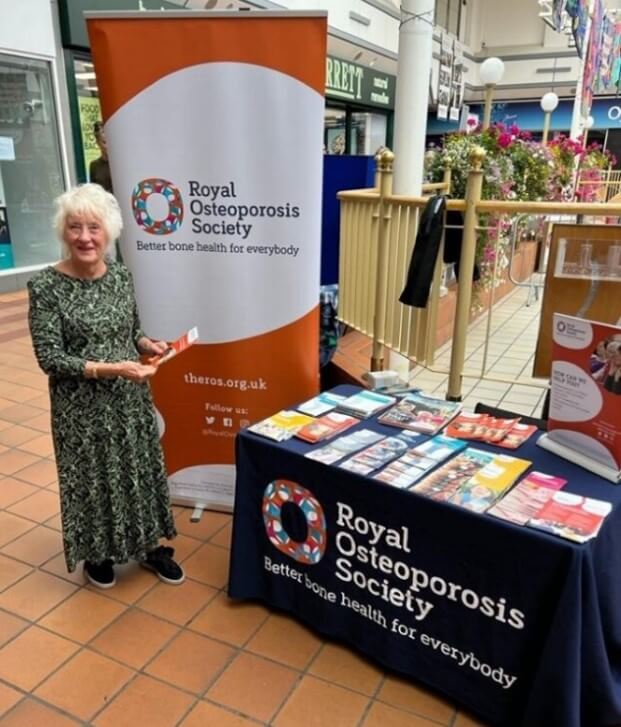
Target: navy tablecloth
column 520, row 627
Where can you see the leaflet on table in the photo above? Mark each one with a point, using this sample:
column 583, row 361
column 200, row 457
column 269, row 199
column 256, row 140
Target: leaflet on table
column 420, row 413
column 487, row 485
column 416, row 462
column 344, row 446
column 176, row 347
column 527, row 498
column 442, row 484
column 571, row 516
column 282, row 425
column 326, row 426
column 506, row 433
column 365, row 403
column 585, row 403
column 377, row 455
column 321, row 404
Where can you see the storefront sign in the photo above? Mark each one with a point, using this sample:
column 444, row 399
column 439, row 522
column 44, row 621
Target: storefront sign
column 359, row 84
column 222, row 218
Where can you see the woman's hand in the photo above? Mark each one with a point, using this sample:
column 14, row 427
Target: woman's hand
column 135, row 371
column 151, row 348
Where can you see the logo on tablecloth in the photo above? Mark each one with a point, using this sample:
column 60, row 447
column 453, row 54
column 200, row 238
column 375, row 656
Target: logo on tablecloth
column 289, row 505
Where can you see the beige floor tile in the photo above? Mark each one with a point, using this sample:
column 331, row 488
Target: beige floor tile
column 40, row 506
column 209, row 565
column 11, row 571
column 42, row 422
column 35, row 595
column 208, row 525
column 31, row 713
column 12, row 526
column 58, row 567
column 286, row 641
column 205, row 714
column 145, row 701
column 32, row 656
column 315, row 702
column 10, row 626
column 223, row 537
column 381, row 715
column 134, row 638
column 403, row 694
column 9, row 697
column 42, row 401
column 41, row 473
column 15, row 460
column 20, row 413
column 22, row 394
column 81, row 616
column 231, row 621
column 12, row 490
column 183, row 546
column 84, row 684
column 13, row 435
column 190, row 662
column 178, row 605
column 35, row 546
column 42, row 446
column 54, row 522
column 266, row 686
column 342, row 666
column 466, row 720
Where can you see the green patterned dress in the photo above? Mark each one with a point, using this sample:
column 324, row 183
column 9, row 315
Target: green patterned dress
column 112, row 479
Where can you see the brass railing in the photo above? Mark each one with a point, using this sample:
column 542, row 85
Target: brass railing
column 377, row 235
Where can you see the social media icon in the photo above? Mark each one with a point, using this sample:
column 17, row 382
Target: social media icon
column 227, row 422
column 210, row 420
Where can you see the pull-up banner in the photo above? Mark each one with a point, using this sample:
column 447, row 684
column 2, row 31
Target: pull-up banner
column 214, row 123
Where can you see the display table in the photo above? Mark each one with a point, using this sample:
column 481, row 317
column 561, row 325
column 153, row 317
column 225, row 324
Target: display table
column 518, row 626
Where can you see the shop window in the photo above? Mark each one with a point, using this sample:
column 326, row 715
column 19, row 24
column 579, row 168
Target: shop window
column 368, row 132
column 448, row 15
column 335, row 131
column 30, row 163
column 88, row 108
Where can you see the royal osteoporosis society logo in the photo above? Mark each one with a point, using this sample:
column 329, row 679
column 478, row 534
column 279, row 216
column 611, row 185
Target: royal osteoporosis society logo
column 280, row 493
column 143, row 191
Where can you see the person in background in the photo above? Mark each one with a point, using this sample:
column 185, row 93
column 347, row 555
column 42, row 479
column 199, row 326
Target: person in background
column 87, row 338
column 99, row 170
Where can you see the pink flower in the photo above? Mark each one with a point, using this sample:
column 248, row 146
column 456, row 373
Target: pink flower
column 505, row 140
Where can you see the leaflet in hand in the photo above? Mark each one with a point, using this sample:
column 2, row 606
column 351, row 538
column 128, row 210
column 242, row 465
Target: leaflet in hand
column 344, row 446
column 326, row 426
column 365, row 404
column 281, row 426
column 416, row 462
column 321, row 404
column 379, row 454
column 527, row 498
column 420, row 413
column 571, row 516
column 176, row 347
column 487, row 485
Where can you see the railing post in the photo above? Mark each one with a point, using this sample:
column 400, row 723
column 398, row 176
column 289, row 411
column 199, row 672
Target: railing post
column 385, row 162
column 447, row 179
column 466, row 268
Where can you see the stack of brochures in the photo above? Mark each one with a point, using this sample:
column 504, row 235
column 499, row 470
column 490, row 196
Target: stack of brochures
column 365, row 404
column 571, row 516
column 473, row 479
column 326, row 426
column 377, row 455
column 344, row 446
column 420, row 413
column 527, row 498
column 507, row 433
column 321, row 404
column 417, row 462
column 281, row 426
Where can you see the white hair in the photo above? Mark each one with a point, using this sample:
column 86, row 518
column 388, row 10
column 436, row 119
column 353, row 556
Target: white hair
column 91, row 200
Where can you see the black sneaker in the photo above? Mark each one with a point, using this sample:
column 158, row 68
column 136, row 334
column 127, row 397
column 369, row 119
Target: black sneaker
column 100, row 574
column 160, row 561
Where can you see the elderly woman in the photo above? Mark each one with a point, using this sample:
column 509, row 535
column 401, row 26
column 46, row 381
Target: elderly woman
column 87, row 338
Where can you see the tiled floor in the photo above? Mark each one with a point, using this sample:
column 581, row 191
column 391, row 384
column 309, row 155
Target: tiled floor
column 144, row 653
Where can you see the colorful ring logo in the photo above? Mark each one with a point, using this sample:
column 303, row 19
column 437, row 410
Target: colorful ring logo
column 140, row 196
column 279, row 492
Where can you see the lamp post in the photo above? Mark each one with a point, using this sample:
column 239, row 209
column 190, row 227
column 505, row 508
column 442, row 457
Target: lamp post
column 549, row 102
column 589, row 122
column 491, row 72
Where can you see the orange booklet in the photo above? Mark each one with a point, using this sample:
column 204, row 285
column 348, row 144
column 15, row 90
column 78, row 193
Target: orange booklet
column 175, row 347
